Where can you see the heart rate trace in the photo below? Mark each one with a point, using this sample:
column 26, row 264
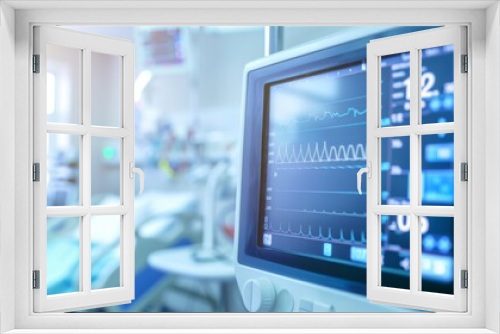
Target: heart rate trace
column 341, row 153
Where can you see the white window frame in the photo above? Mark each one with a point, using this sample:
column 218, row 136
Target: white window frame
column 483, row 293
column 414, row 43
column 87, row 44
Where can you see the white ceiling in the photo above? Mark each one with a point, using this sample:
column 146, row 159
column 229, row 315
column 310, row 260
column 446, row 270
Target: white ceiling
column 290, row 4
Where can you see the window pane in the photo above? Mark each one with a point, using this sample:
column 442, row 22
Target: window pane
column 395, row 233
column 395, row 90
column 437, row 169
column 106, row 171
column 63, row 84
column 395, row 170
column 106, row 89
column 63, row 255
column 63, row 169
column 105, row 232
column 437, row 84
column 437, row 254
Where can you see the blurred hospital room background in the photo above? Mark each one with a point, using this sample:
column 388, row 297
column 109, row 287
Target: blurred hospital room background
column 188, row 90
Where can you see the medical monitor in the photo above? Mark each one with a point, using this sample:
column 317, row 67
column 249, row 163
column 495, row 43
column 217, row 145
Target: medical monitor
column 300, row 215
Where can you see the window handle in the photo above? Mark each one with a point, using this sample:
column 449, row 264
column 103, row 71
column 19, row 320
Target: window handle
column 368, row 171
column 134, row 170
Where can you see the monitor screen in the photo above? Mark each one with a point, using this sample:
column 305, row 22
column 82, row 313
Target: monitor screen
column 315, row 143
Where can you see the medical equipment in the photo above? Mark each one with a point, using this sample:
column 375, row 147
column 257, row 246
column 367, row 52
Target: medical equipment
column 301, row 224
column 208, row 250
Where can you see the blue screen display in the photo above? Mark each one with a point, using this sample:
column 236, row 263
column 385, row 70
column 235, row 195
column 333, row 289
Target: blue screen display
column 316, row 143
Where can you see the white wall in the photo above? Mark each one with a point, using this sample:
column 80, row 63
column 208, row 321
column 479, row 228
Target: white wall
column 7, row 65
column 493, row 161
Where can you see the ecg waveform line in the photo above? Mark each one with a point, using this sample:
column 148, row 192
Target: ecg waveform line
column 323, row 234
column 314, row 117
column 325, row 154
column 294, row 167
column 334, row 213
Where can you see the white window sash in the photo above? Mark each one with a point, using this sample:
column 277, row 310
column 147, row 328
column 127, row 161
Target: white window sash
column 86, row 298
column 414, row 297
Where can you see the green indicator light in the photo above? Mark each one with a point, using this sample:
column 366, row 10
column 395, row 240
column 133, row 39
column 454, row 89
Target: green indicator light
column 108, row 152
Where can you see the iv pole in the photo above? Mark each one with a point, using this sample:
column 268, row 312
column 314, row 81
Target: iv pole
column 274, row 39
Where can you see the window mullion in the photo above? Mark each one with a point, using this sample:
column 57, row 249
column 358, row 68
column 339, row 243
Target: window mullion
column 393, row 131
column 391, row 209
column 70, row 129
column 435, row 211
column 377, row 171
column 414, row 170
column 85, row 264
column 109, row 132
column 67, row 211
column 86, row 112
column 435, row 128
column 85, row 237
